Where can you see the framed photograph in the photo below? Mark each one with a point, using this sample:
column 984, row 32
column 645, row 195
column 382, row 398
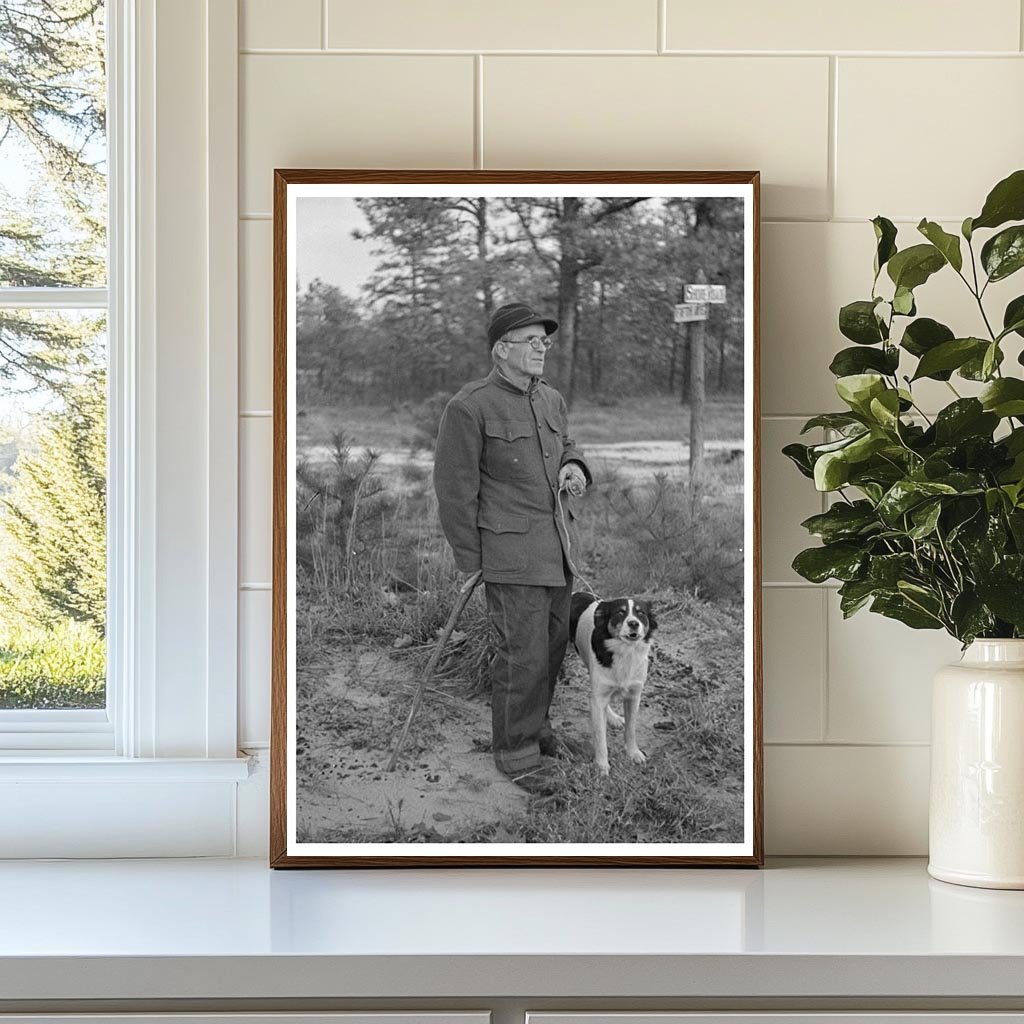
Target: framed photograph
column 516, row 557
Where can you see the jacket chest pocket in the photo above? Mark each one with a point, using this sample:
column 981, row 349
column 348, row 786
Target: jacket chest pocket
column 553, row 431
column 508, row 448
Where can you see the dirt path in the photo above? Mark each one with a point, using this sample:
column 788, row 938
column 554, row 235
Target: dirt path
column 633, row 460
column 445, row 787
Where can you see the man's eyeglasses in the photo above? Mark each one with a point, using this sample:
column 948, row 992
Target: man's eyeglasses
column 539, row 342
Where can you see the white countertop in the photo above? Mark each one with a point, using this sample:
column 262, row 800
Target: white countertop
column 234, row 928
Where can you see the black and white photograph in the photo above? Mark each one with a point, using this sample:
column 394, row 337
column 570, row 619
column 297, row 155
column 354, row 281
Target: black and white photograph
column 515, row 554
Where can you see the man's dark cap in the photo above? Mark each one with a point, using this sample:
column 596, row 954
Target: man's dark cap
column 516, row 314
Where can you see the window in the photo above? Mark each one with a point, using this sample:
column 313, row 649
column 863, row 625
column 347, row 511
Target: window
column 53, row 371
column 154, row 768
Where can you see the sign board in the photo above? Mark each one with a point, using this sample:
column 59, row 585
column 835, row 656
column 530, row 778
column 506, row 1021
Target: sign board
column 704, row 293
column 688, row 312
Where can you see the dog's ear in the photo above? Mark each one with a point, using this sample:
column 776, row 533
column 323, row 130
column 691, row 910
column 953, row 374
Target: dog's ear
column 652, row 622
column 601, row 617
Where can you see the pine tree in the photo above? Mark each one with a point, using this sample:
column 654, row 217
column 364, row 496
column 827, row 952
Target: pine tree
column 52, row 123
column 53, row 519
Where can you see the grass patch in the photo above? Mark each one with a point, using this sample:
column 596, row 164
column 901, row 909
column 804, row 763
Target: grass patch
column 63, row 667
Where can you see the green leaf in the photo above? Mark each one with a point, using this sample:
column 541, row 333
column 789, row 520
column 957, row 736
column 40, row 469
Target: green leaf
column 950, row 355
column 799, row 455
column 925, row 518
column 850, row 361
column 899, row 608
column 906, row 494
column 913, row 266
column 843, row 521
column 1005, row 202
column 885, row 236
column 1003, row 254
column 841, row 421
column 970, row 617
column 1004, row 397
column 831, row 471
column 857, row 321
column 974, row 368
column 947, row 244
column 995, row 499
column 1005, row 597
column 854, row 594
column 885, row 409
column 840, row 561
column 965, row 229
column 887, row 570
column 923, row 335
column 903, row 302
column 864, row 447
column 1013, row 317
column 858, row 389
column 966, row 417
column 991, row 360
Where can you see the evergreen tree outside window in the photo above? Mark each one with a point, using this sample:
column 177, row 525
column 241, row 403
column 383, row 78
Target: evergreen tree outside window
column 53, row 381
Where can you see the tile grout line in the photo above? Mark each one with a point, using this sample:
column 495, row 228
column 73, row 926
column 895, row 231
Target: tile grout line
column 663, row 26
column 352, row 51
column 323, row 25
column 478, row 111
column 831, row 171
column 1020, row 25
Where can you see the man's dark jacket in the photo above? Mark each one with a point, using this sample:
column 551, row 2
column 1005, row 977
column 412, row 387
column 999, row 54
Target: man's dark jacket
column 499, row 450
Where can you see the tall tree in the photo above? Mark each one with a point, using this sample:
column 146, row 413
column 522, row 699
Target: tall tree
column 563, row 234
column 52, row 125
column 53, row 519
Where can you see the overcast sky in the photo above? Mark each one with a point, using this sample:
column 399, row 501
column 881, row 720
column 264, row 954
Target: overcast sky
column 325, row 247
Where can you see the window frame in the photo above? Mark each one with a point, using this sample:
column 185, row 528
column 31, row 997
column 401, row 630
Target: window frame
column 93, row 729
column 172, row 462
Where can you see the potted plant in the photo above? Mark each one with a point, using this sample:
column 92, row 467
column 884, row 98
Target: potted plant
column 927, row 521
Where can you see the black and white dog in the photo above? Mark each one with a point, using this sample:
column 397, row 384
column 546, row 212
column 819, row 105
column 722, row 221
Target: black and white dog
column 614, row 640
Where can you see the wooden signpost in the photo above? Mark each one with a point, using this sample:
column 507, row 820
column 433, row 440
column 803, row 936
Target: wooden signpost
column 690, row 312
column 693, row 310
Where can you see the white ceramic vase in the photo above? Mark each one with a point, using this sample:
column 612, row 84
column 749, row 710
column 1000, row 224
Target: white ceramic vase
column 976, row 812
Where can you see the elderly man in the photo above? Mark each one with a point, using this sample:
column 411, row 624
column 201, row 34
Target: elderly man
column 502, row 458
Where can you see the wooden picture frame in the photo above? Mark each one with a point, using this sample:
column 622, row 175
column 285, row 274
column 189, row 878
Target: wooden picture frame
column 351, row 626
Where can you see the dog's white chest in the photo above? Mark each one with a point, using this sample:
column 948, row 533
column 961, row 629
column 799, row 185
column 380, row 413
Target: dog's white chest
column 628, row 670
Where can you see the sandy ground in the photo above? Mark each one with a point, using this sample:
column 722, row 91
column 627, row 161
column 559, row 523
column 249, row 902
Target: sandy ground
column 445, row 787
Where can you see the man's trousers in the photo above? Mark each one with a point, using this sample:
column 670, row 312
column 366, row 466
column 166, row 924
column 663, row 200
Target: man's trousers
column 532, row 624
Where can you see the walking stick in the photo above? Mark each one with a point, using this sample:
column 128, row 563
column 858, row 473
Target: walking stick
column 465, row 593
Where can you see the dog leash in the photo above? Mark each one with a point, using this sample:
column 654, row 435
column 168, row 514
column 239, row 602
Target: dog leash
column 568, row 548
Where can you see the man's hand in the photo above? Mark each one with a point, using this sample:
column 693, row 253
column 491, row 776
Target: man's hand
column 571, row 478
column 469, row 579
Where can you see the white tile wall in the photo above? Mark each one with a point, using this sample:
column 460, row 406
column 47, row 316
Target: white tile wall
column 471, row 25
column 254, row 611
column 340, row 111
column 261, row 24
column 942, row 104
column 256, row 307
column 874, row 25
column 255, row 505
column 908, row 110
column 697, row 113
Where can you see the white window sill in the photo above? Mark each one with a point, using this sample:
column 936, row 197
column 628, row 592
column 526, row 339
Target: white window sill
column 77, row 766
